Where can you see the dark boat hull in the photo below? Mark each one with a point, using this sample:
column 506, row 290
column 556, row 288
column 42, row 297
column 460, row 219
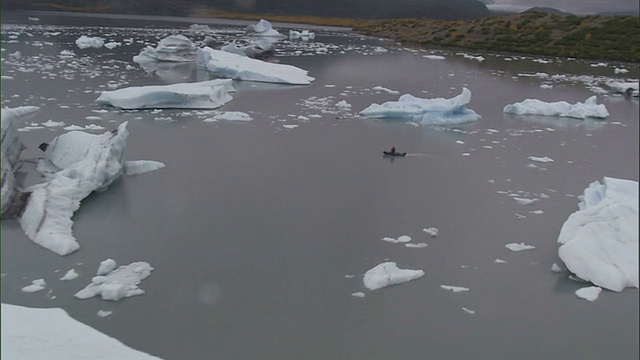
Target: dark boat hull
column 388, row 153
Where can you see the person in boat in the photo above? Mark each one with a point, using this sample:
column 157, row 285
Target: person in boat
column 393, row 150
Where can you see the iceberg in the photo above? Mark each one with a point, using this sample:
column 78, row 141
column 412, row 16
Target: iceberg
column 117, row 284
column 84, row 42
column 11, row 148
column 77, row 163
column 559, row 108
column 599, row 242
column 175, row 48
column 238, row 67
column 304, row 35
column 30, row 333
column 388, row 273
column 627, row 88
column 257, row 48
column 210, row 94
column 263, row 28
column 437, row 111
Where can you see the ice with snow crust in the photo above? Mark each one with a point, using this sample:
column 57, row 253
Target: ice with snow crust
column 438, row 111
column 590, row 108
column 599, row 242
column 210, row 94
column 238, row 67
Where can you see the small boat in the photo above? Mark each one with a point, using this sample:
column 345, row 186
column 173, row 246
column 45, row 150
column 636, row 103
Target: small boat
column 389, row 153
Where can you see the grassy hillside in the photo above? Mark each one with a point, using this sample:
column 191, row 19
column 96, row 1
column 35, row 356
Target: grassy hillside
column 589, row 37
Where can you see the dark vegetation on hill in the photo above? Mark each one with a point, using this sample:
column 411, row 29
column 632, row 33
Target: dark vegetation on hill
column 355, row 9
column 590, row 37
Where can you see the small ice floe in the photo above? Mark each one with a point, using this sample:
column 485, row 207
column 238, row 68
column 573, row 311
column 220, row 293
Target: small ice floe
column 546, row 86
column 437, row 111
column 290, row 126
column 37, row 333
column 431, row 231
column 556, row 268
column 359, row 294
column 560, row 108
column 106, row 267
column 304, row 35
column 499, row 261
column 416, row 245
column 263, row 28
column 238, row 67
column 232, row 116
column 537, row 212
column 589, row 293
column 84, row 42
column 36, row 285
column 349, row 276
column 620, row 71
column 388, row 273
column 50, row 123
column 538, row 159
column 112, row 45
column 137, row 167
column 433, row 57
column 104, row 313
column 343, row 105
column 70, row 275
column 599, row 242
column 627, row 88
column 118, row 284
column 381, row 88
column 477, row 58
column 210, row 94
column 519, row 247
column 257, row 47
column 174, row 48
column 468, row 311
column 401, row 239
column 524, row 201
column 454, row 288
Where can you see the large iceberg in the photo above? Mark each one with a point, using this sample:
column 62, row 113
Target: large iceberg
column 600, row 240
column 238, row 67
column 176, row 48
column 30, row 333
column 559, row 108
column 263, row 28
column 77, row 164
column 11, row 148
column 438, row 111
column 210, row 94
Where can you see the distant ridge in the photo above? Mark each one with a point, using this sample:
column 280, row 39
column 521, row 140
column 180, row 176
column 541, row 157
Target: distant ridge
column 546, row 10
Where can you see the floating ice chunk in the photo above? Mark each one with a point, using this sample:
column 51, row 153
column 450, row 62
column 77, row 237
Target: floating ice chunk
column 544, row 159
column 380, row 88
column 81, row 163
column 302, row 35
column 237, row 67
column 416, row 245
column 556, row 268
column 257, row 47
column 112, row 45
column 52, row 334
column 263, row 28
column 359, row 294
column 434, row 57
column 560, row 108
column 70, row 275
column 84, row 42
column 104, row 313
column 290, row 126
column 519, row 247
column 36, row 285
column 50, row 123
column 141, row 166
column 468, row 311
column 343, row 105
column 477, row 58
column 629, row 88
column 590, row 293
column 106, row 267
column 118, row 284
column 524, row 201
column 437, row 111
column 620, row 70
column 499, row 261
column 174, row 48
column 401, row 239
column 233, row 116
column 210, row 94
column 431, row 231
column 599, row 242
column 454, row 288
column 546, row 86
column 388, row 273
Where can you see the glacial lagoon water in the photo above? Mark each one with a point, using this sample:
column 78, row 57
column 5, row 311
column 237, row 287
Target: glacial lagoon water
column 259, row 232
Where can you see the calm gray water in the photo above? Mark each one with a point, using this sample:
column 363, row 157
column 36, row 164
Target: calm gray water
column 252, row 227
